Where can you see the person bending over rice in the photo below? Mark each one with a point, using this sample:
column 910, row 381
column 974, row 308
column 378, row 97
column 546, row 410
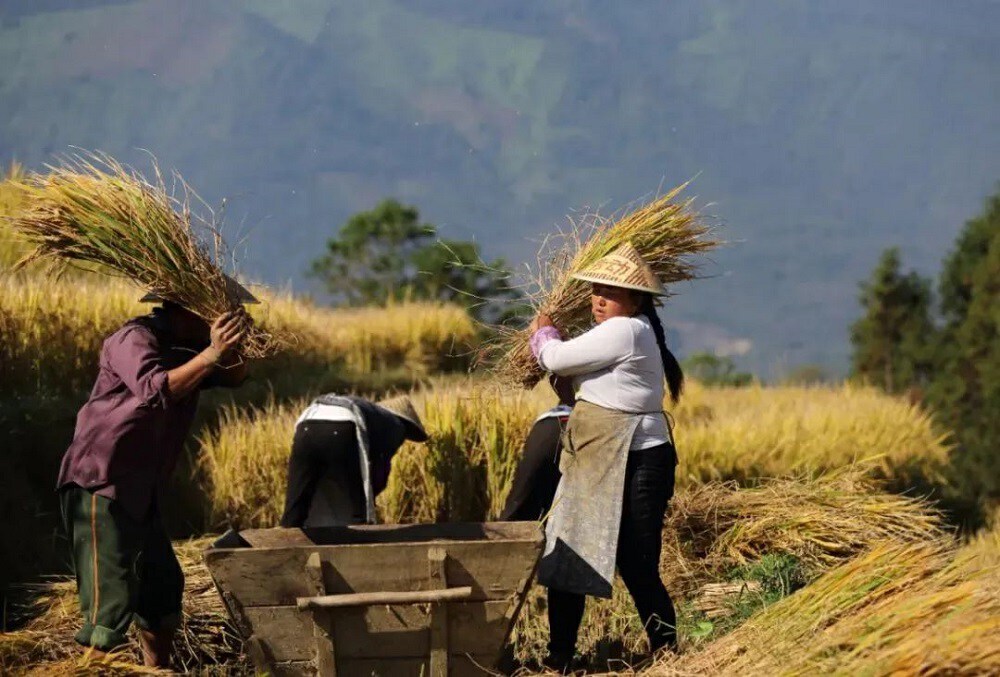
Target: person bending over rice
column 341, row 455
column 128, row 438
column 537, row 474
column 618, row 459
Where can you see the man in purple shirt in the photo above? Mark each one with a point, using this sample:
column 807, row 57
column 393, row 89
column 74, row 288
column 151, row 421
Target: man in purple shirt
column 129, row 436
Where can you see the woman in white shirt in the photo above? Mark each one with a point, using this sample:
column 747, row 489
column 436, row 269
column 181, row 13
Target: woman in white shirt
column 618, row 469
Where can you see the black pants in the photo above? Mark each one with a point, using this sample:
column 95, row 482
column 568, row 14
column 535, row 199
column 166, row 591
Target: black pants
column 649, row 485
column 324, row 461
column 537, row 474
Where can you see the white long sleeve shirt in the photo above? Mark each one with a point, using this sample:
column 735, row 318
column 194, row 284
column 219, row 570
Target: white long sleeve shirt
column 616, row 365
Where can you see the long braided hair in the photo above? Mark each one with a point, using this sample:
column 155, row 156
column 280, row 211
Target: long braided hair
column 671, row 368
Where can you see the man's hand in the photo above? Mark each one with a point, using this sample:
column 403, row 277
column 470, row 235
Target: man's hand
column 227, row 331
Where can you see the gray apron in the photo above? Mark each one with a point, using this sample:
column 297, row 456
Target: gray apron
column 581, row 535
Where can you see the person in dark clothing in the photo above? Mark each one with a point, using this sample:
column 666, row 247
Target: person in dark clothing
column 128, row 438
column 341, row 455
column 537, row 474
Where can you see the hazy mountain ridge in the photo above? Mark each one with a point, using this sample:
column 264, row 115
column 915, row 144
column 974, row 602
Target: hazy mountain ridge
column 822, row 131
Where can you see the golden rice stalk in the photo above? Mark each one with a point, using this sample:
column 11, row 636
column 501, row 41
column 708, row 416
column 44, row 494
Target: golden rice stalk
column 902, row 608
column 667, row 231
column 714, row 527
column 93, row 212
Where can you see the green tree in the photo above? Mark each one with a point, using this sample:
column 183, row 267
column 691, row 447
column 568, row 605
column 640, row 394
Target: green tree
column 387, row 254
column 965, row 392
column 956, row 284
column 893, row 341
column 714, row 370
column 369, row 262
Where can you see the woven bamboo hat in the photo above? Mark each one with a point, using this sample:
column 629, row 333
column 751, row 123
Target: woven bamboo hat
column 233, row 289
column 403, row 408
column 623, row 267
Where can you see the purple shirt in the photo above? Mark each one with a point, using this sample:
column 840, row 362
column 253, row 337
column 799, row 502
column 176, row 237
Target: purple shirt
column 130, row 434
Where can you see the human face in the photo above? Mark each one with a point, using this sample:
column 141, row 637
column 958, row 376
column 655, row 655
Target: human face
column 607, row 301
column 186, row 327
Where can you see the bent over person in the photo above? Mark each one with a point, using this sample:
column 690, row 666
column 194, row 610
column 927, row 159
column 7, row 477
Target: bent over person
column 341, row 455
column 537, row 474
column 128, row 438
column 619, row 460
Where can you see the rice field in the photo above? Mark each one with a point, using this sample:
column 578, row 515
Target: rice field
column 792, row 479
column 51, row 332
column 823, row 524
column 464, row 471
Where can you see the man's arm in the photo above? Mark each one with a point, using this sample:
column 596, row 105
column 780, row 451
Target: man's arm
column 231, row 372
column 226, row 334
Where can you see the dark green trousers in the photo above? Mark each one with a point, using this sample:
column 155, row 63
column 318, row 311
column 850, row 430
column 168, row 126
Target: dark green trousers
column 125, row 569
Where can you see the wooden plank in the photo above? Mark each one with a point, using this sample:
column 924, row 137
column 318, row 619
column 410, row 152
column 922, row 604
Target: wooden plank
column 436, row 562
column 461, row 666
column 326, row 656
column 258, row 655
column 278, row 537
column 381, row 598
column 405, row 533
column 394, row 631
column 314, row 574
column 274, row 577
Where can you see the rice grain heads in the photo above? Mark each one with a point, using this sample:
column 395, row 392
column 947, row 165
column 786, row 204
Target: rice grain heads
column 93, row 212
column 667, row 232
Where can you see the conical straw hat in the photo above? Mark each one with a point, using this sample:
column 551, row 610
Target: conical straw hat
column 233, row 289
column 624, row 267
column 403, row 408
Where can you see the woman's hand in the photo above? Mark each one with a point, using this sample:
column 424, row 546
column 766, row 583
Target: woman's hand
column 541, row 320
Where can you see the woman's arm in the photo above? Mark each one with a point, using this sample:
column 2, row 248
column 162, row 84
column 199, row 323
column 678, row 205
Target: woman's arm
column 606, row 344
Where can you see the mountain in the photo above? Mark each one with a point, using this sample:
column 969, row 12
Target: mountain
column 817, row 133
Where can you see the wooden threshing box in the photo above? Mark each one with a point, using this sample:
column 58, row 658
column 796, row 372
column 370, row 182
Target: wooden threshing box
column 408, row 600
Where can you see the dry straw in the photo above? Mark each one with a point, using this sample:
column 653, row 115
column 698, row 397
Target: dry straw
column 93, row 212
column 711, row 529
column 205, row 640
column 667, row 232
column 912, row 607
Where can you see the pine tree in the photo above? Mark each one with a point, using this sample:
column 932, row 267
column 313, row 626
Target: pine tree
column 965, row 392
column 893, row 341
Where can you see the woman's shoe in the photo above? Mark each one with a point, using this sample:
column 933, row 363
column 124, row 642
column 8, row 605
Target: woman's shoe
column 559, row 663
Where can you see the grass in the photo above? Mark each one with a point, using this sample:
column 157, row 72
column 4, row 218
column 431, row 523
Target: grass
column 465, row 469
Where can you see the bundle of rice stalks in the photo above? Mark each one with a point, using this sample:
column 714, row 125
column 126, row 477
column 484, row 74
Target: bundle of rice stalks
column 95, row 213
column 900, row 608
column 205, row 640
column 667, row 232
column 821, row 522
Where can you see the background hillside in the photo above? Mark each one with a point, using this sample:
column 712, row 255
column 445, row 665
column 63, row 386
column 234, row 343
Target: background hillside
column 821, row 132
